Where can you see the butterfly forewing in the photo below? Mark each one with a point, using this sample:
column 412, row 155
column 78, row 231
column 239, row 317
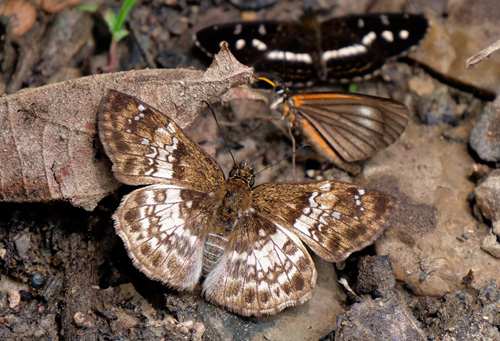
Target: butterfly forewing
column 334, row 219
column 352, row 126
column 163, row 228
column 147, row 147
column 246, row 51
column 264, row 269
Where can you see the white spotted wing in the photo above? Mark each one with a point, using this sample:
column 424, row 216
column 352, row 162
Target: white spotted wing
column 192, row 223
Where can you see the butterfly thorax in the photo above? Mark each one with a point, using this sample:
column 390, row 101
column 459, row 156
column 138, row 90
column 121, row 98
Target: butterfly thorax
column 284, row 102
column 312, row 33
column 233, row 200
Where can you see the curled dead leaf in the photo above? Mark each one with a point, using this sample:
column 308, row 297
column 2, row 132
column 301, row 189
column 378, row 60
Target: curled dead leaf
column 49, row 145
column 21, row 16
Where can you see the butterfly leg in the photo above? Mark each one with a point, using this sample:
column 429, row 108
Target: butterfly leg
column 290, row 133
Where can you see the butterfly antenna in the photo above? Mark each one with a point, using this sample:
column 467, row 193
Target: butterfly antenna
column 268, row 81
column 283, row 159
column 220, row 131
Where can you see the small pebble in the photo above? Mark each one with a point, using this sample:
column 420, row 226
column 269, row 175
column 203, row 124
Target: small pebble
column 198, row 331
column 81, row 320
column 22, row 243
column 14, row 298
column 188, row 324
column 37, row 280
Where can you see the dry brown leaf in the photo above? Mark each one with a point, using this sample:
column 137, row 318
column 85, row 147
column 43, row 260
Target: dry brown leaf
column 48, row 137
column 53, row 6
column 21, row 16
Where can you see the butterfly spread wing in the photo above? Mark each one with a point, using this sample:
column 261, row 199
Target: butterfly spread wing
column 146, row 147
column 352, row 126
column 264, row 269
column 339, row 48
column 162, row 225
column 334, row 219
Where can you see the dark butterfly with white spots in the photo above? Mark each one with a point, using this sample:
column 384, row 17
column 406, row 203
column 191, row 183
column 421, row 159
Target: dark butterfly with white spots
column 341, row 48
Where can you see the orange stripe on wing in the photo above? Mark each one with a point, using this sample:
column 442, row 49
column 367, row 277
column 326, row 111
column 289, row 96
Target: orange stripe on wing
column 298, row 100
column 318, row 138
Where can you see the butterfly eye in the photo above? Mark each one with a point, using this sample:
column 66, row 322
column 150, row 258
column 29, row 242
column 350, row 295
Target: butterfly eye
column 277, row 97
column 252, row 181
column 279, row 89
column 232, row 172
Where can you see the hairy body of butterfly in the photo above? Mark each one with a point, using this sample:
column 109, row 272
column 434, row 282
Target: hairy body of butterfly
column 246, row 241
column 342, row 48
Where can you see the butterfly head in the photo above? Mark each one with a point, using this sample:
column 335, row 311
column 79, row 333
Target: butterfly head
column 244, row 173
column 279, row 98
column 279, row 92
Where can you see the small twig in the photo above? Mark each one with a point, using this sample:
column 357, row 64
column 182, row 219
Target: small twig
column 478, row 57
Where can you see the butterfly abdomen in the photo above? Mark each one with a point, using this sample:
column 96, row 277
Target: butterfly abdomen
column 234, row 203
column 214, row 248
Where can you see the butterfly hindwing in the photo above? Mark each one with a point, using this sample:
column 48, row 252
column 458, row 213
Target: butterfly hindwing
column 147, row 147
column 264, row 269
column 334, row 219
column 352, row 126
column 163, row 228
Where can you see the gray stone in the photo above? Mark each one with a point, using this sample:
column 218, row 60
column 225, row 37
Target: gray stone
column 375, row 276
column 485, row 136
column 491, row 245
column 488, row 199
column 438, row 108
column 23, row 243
column 380, row 319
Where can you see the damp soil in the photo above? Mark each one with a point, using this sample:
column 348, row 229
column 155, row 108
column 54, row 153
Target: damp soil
column 66, row 275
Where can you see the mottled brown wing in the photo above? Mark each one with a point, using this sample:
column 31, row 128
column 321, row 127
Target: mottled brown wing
column 163, row 228
column 147, row 147
column 351, row 126
column 334, row 219
column 264, row 269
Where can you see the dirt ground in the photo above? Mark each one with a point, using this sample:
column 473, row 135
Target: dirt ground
column 432, row 275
